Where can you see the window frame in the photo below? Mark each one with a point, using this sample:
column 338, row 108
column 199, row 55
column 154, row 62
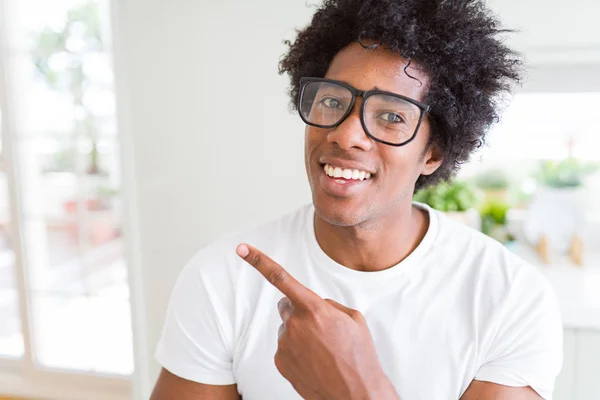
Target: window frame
column 22, row 376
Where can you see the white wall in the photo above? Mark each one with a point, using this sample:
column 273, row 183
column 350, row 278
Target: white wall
column 563, row 77
column 214, row 145
column 553, row 31
column 209, row 143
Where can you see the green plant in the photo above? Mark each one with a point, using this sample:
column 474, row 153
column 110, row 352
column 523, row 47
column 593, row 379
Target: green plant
column 493, row 212
column 567, row 173
column 494, row 218
column 60, row 161
column 106, row 192
column 59, row 57
column 448, row 196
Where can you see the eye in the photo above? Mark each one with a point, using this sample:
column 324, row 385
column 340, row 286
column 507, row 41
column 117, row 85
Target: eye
column 332, row 103
column 391, row 117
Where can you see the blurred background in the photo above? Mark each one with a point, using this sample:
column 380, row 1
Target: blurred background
column 134, row 132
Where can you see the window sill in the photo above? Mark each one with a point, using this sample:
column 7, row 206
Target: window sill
column 60, row 385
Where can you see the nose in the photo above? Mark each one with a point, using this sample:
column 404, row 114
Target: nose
column 350, row 133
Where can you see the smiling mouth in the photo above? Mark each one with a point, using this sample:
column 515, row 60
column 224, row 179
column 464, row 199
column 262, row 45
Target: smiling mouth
column 345, row 175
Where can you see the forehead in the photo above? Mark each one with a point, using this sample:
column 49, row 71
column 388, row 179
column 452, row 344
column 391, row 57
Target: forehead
column 366, row 69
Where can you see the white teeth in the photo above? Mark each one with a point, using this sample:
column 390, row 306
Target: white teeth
column 337, row 172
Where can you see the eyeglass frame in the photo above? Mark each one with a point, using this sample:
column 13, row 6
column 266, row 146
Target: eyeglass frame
column 365, row 94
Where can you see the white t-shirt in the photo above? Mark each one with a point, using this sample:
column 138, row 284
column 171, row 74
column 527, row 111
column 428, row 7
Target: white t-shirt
column 459, row 307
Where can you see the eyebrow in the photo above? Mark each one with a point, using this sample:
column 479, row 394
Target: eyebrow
column 374, row 87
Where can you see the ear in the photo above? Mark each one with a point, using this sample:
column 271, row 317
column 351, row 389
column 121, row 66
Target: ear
column 432, row 159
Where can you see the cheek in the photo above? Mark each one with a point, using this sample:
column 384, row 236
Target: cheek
column 402, row 168
column 401, row 162
column 313, row 138
column 311, row 142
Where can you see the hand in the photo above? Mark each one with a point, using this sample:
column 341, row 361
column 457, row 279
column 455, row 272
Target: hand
column 325, row 350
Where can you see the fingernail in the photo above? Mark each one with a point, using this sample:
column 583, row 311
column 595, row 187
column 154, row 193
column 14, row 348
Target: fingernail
column 242, row 250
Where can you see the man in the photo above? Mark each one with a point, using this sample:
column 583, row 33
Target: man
column 363, row 294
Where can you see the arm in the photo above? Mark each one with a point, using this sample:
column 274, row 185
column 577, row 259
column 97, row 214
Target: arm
column 479, row 390
column 171, row 386
column 195, row 346
column 528, row 340
column 324, row 349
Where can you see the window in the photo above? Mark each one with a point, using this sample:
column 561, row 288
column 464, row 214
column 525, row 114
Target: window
column 542, row 125
column 11, row 336
column 58, row 103
column 539, row 126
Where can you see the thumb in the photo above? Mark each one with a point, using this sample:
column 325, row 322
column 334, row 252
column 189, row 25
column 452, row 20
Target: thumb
column 351, row 312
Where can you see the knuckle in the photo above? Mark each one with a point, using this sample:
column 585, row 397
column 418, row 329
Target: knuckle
column 317, row 314
column 291, row 324
column 254, row 258
column 313, row 308
column 285, row 308
column 283, row 302
column 279, row 364
column 276, row 277
column 357, row 315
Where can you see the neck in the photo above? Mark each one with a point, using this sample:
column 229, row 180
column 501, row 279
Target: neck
column 377, row 244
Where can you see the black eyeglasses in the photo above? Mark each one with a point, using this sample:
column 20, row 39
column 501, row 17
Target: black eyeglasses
column 386, row 117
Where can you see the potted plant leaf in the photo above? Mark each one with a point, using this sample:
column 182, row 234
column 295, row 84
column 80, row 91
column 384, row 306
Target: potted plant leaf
column 494, row 214
column 61, row 57
column 455, row 198
column 69, row 76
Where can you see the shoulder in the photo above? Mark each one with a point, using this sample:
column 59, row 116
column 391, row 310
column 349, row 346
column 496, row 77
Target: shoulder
column 514, row 307
column 483, row 256
column 216, row 277
column 497, row 278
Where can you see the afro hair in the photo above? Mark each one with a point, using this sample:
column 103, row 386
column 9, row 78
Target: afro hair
column 457, row 43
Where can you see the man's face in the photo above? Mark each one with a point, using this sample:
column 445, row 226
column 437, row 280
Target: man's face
column 394, row 170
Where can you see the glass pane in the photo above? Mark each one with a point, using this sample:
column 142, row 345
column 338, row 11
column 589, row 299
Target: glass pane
column 556, row 123
column 60, row 68
column 58, row 111
column 69, row 176
column 70, row 212
column 543, row 126
column 53, row 256
column 81, row 316
column 54, row 111
column 48, row 180
column 87, row 333
column 68, row 257
column 11, row 338
column 28, row 17
column 58, row 173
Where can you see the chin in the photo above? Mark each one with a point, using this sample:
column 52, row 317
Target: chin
column 339, row 212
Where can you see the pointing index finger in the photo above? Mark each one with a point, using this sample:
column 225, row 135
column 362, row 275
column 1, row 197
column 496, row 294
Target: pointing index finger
column 299, row 294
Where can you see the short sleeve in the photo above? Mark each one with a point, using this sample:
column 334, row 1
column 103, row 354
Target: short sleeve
column 197, row 337
column 527, row 347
